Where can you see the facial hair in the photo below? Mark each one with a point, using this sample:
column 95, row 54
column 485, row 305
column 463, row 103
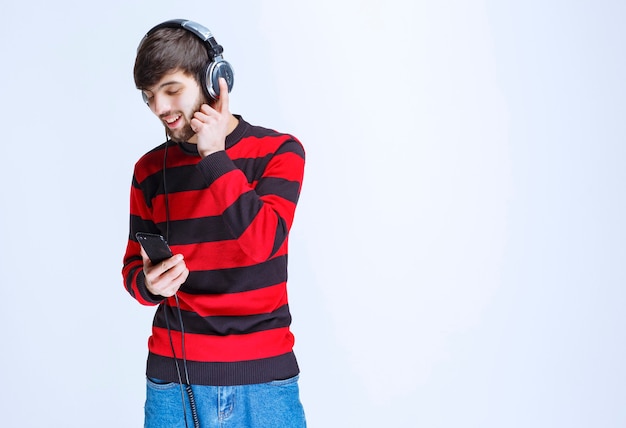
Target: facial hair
column 185, row 133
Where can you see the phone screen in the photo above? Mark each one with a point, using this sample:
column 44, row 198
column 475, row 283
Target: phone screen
column 155, row 246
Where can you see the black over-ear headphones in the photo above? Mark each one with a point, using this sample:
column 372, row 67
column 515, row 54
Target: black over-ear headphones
column 217, row 67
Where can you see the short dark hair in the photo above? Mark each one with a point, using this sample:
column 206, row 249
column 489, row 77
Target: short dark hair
column 168, row 50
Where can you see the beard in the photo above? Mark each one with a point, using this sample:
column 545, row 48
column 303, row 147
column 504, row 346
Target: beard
column 185, row 133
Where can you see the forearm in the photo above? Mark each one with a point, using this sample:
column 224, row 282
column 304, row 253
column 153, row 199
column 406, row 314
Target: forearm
column 258, row 214
column 132, row 269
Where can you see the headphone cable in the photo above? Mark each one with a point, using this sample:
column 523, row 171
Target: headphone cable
column 180, row 380
column 190, row 395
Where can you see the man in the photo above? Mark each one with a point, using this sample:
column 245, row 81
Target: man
column 223, row 194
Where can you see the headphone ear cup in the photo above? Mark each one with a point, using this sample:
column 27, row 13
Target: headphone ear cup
column 214, row 71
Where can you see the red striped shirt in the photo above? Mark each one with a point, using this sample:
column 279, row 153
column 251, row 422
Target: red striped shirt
column 229, row 214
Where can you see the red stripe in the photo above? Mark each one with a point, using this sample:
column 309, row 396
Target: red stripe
column 137, row 204
column 149, row 164
column 288, row 166
column 227, row 188
column 190, row 204
column 286, row 209
column 203, row 202
column 213, row 255
column 264, row 344
column 177, row 157
column 264, row 300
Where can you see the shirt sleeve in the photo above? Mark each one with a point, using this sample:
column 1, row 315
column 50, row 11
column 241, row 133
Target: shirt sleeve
column 258, row 214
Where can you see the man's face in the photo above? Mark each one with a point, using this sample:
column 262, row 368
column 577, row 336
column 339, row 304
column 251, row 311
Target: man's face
column 174, row 100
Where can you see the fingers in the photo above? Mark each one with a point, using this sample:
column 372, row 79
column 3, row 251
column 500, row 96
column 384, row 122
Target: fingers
column 205, row 115
column 222, row 104
column 172, row 279
column 166, row 278
column 210, row 123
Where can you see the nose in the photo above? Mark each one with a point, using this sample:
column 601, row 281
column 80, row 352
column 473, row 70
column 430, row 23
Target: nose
column 160, row 104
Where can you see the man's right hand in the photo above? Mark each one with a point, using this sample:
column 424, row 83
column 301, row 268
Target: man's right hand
column 164, row 279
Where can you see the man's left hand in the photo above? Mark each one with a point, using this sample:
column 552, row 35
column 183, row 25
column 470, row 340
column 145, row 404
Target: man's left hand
column 211, row 123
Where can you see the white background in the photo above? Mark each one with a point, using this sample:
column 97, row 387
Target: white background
column 458, row 255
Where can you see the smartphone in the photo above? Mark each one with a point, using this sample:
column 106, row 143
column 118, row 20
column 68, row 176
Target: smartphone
column 155, row 245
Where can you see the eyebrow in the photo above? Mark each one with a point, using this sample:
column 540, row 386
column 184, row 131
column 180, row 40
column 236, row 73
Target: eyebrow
column 163, row 85
column 171, row 82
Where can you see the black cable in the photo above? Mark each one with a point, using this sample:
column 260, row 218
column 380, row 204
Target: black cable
column 182, row 332
column 167, row 202
column 192, row 400
column 190, row 395
column 192, row 405
column 180, row 379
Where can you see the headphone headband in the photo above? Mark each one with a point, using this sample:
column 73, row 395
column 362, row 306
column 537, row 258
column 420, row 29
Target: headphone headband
column 203, row 33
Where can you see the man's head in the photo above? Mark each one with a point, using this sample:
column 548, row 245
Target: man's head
column 180, row 44
column 168, row 50
column 177, row 68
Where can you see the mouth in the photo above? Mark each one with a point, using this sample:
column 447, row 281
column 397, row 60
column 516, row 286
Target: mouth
column 172, row 121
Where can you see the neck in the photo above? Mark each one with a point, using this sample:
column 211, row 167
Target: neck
column 232, row 124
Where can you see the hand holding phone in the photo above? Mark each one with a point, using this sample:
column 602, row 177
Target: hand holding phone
column 160, row 279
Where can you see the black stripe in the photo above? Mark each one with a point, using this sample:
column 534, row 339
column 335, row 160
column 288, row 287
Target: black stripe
column 253, row 168
column 179, row 179
column 242, row 212
column 236, row 280
column 197, row 230
column 184, row 178
column 237, row 373
column 289, row 190
column 151, row 186
column 291, row 146
column 222, row 325
column 280, row 236
column 137, row 224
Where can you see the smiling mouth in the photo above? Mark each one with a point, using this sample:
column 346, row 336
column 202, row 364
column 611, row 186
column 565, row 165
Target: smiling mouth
column 172, row 121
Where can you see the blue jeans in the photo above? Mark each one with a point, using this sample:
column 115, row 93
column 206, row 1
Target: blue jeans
column 267, row 405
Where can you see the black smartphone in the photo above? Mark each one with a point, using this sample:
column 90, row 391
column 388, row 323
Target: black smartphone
column 155, row 245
